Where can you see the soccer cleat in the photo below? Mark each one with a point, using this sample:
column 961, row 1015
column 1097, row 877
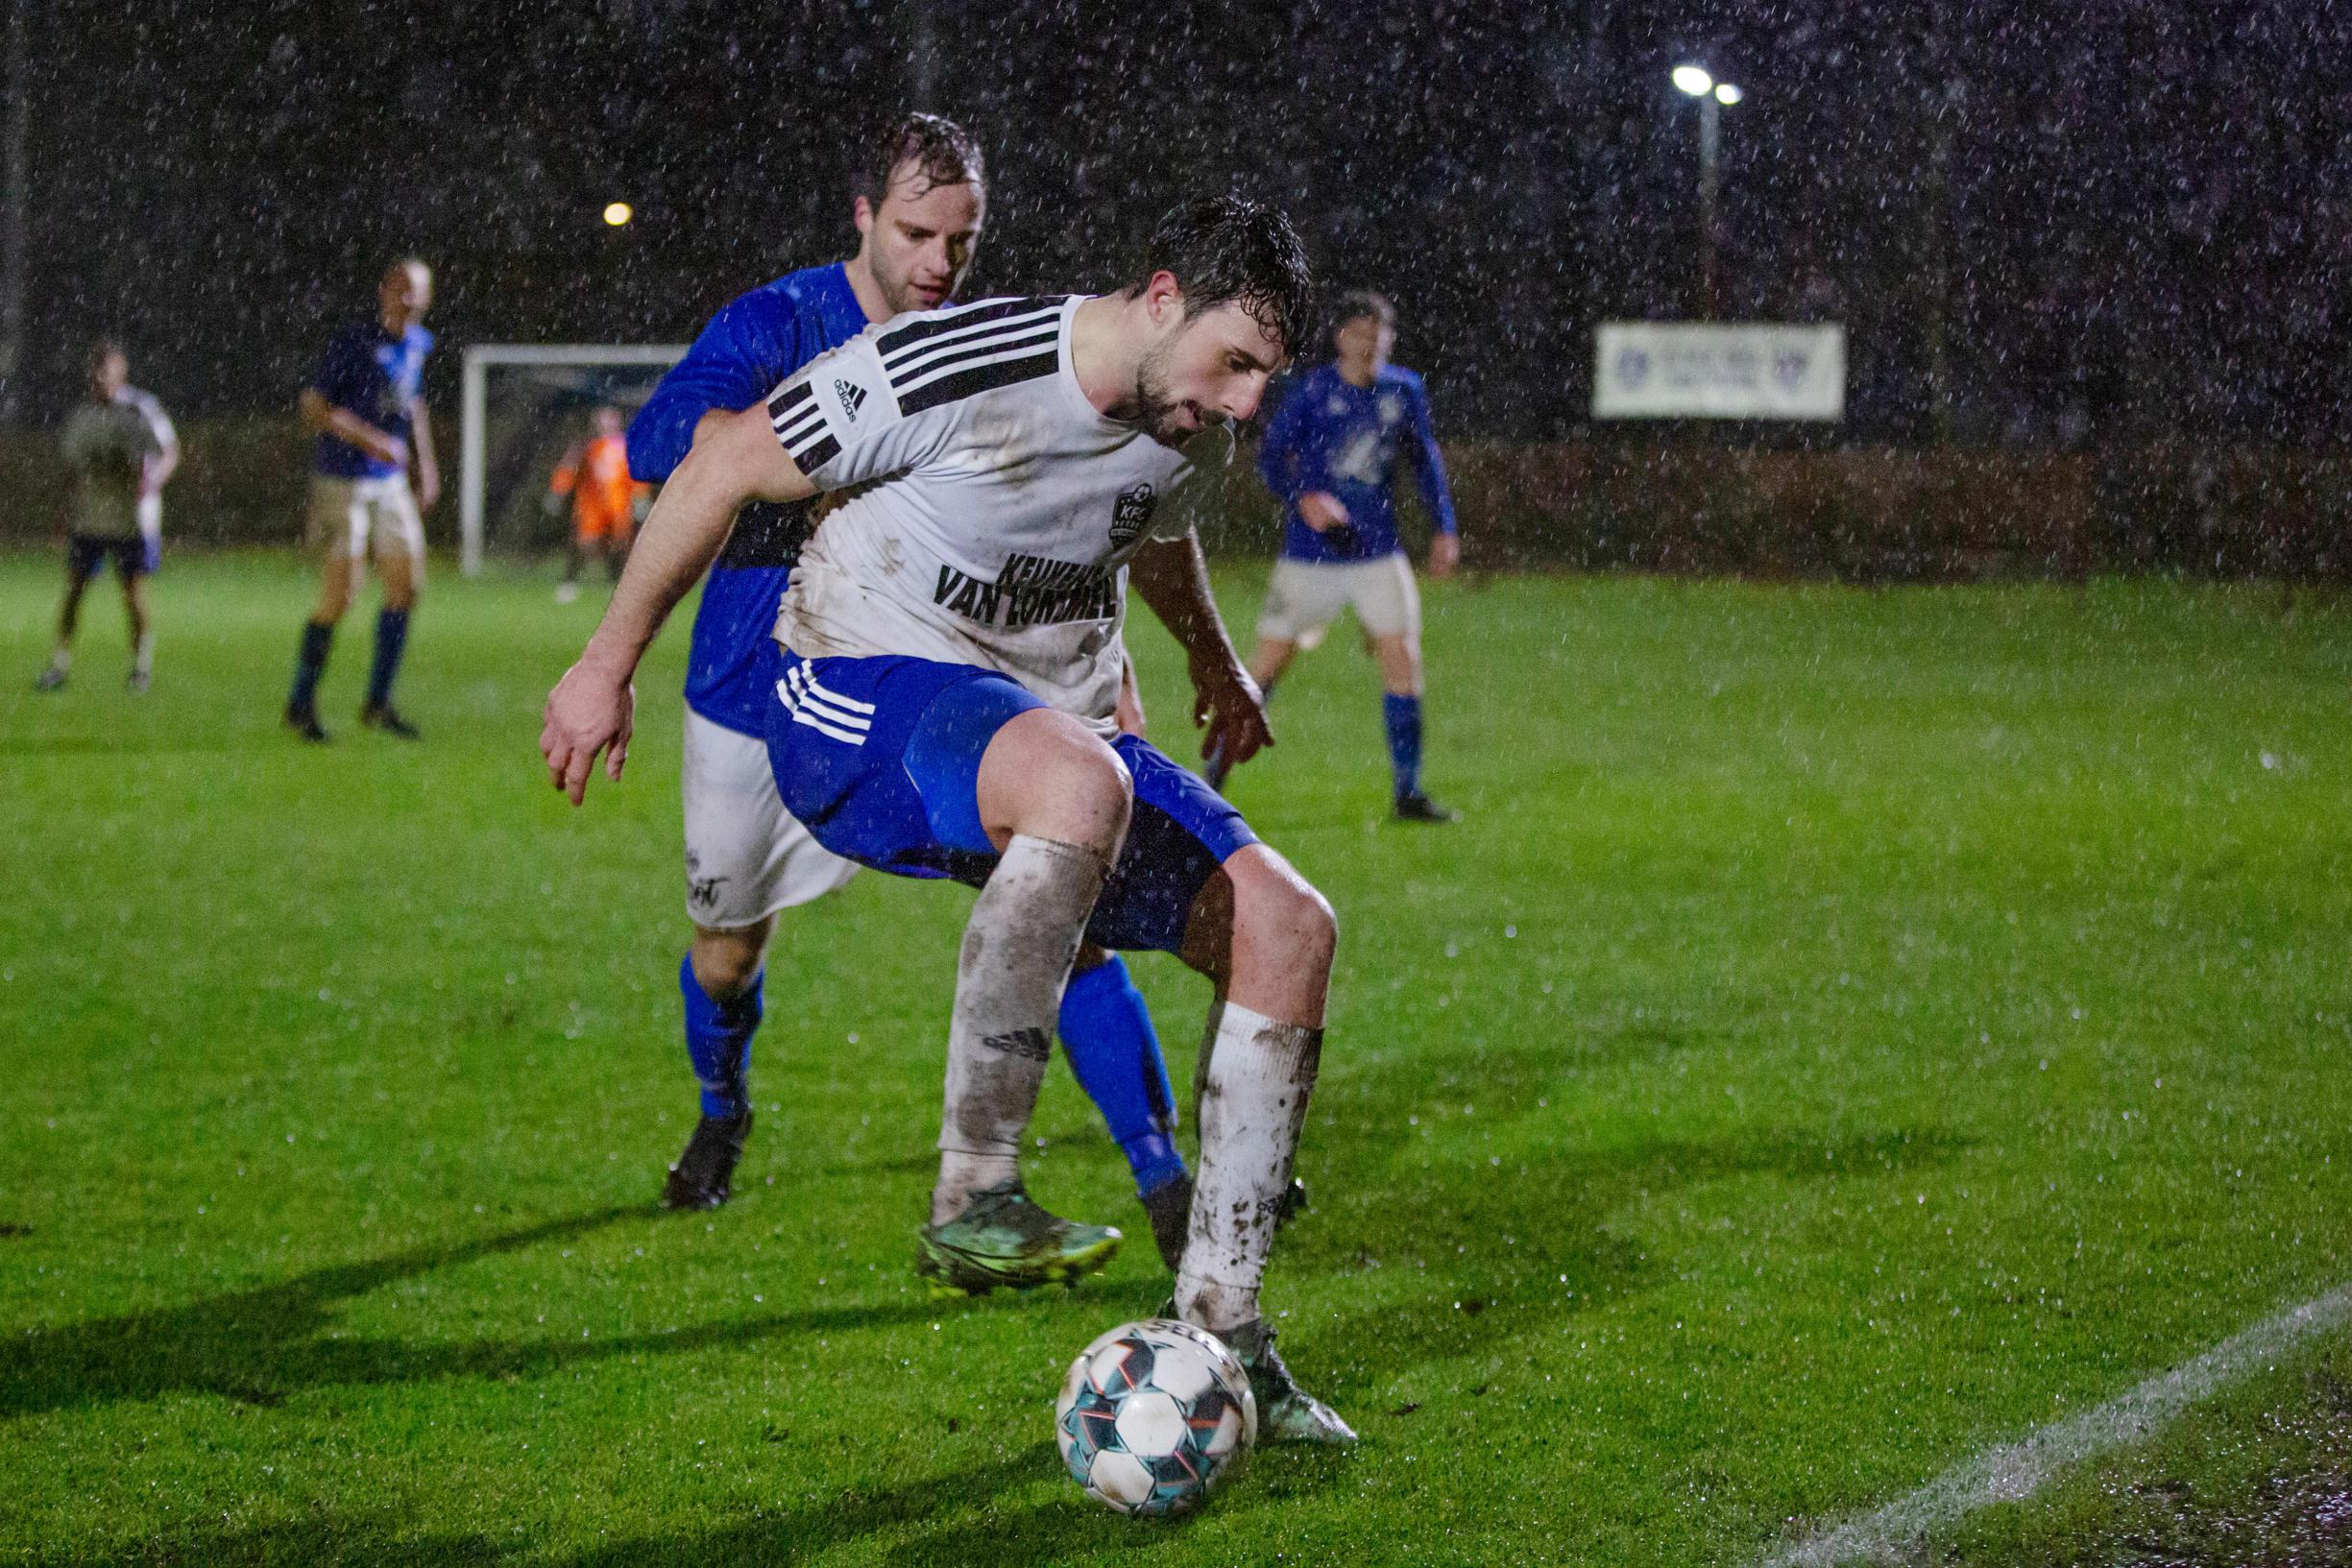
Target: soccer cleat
column 382, row 715
column 1003, row 1238
column 140, row 680
column 1416, row 806
column 704, row 1176
column 52, row 679
column 1287, row 1413
column 1169, row 1207
column 305, row 722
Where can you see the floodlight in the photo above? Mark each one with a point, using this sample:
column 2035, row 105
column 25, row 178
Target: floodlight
column 618, row 213
column 1693, row 80
column 1726, row 93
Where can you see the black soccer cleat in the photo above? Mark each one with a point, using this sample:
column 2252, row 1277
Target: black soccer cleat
column 1169, row 1207
column 704, row 1176
column 52, row 679
column 1416, row 806
column 382, row 715
column 305, row 722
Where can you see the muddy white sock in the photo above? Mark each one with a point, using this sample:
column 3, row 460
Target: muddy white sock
column 1253, row 1103
column 1017, row 949
column 143, row 657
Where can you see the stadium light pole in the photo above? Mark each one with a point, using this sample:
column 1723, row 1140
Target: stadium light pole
column 1714, row 97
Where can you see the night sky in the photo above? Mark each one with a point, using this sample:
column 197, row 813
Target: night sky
column 2123, row 220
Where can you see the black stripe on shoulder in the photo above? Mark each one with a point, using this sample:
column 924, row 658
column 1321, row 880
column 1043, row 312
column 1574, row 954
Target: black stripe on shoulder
column 1005, row 373
column 920, row 364
column 813, row 458
column 931, row 326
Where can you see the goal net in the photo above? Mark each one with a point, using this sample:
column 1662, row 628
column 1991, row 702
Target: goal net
column 525, row 404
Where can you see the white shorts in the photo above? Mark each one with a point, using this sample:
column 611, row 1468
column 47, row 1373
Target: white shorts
column 746, row 856
column 345, row 514
column 1305, row 596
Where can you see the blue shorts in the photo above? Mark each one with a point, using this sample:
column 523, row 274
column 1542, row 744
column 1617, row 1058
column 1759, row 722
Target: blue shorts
column 880, row 760
column 134, row 555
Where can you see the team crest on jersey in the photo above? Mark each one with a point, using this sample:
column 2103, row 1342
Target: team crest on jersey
column 1130, row 514
column 852, row 397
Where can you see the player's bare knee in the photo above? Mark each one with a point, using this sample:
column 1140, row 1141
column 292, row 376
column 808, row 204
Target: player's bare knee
column 726, row 961
column 1309, row 927
column 1281, row 916
column 1048, row 776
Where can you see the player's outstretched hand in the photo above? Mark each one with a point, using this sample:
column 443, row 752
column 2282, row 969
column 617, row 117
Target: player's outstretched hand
column 1228, row 703
column 1444, row 554
column 586, row 712
column 1323, row 511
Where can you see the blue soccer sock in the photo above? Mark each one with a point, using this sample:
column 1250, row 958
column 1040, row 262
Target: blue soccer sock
column 718, row 1041
column 309, row 664
column 1114, row 1053
column 1404, row 717
column 391, row 641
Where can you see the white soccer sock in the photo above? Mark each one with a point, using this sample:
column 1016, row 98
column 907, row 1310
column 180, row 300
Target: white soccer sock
column 143, row 657
column 1253, row 1103
column 1017, row 949
column 62, row 659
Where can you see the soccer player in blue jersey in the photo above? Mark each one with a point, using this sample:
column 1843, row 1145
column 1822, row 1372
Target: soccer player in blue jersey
column 373, row 479
column 1330, row 454
column 919, row 204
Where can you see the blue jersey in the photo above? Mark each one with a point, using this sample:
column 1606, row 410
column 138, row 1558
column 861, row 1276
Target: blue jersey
column 748, row 348
column 1346, row 440
column 378, row 378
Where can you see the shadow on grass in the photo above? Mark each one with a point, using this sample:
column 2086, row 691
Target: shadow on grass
column 1511, row 1254
column 368, row 1539
column 960, row 1517
column 259, row 1346
column 974, row 1516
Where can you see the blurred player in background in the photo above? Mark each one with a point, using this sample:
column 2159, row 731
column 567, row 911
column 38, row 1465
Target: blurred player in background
column 373, row 479
column 119, row 449
column 919, row 202
column 1331, row 456
column 593, row 483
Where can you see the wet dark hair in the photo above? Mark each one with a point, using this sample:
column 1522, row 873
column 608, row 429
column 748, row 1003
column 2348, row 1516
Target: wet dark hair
column 102, row 347
column 1357, row 302
column 942, row 152
column 1230, row 248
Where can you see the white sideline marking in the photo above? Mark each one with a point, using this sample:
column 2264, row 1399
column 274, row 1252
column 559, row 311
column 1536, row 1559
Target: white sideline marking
column 2016, row 1471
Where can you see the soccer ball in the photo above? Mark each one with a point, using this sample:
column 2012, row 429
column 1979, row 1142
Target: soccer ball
column 1153, row 1416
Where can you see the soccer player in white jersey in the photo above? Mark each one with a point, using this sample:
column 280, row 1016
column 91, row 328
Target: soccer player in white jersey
column 951, row 657
column 920, row 199
column 119, row 449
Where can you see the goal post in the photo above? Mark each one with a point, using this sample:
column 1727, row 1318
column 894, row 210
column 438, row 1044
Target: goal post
column 497, row 452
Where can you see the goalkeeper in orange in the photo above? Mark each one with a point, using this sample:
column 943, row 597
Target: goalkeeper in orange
column 593, row 480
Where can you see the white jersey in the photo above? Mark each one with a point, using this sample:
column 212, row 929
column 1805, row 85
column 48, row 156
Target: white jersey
column 107, row 446
column 994, row 507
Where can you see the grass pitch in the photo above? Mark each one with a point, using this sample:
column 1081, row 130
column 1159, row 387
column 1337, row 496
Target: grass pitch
column 1850, row 1029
